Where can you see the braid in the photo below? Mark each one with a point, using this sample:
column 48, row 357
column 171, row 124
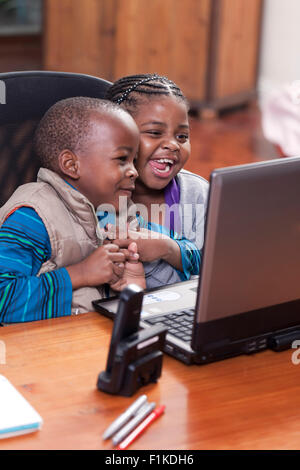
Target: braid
column 131, row 89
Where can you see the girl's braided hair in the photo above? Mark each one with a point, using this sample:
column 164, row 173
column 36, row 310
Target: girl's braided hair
column 129, row 91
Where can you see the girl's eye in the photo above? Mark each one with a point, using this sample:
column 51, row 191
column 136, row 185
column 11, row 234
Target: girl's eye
column 182, row 137
column 123, row 158
column 153, row 133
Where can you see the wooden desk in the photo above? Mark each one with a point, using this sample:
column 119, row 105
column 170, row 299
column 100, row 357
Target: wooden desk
column 249, row 402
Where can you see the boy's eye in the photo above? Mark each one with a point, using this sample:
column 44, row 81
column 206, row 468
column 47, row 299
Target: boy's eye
column 123, row 158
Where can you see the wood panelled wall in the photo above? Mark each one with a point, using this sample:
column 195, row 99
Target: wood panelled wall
column 169, row 37
column 208, row 47
column 21, row 53
column 235, row 39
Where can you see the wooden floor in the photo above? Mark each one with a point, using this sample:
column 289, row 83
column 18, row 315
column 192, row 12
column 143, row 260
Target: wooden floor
column 233, row 138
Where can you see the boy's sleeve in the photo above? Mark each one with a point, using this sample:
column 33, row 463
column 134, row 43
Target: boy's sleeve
column 24, row 247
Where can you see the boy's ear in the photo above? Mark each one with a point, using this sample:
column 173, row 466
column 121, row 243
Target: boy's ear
column 68, row 164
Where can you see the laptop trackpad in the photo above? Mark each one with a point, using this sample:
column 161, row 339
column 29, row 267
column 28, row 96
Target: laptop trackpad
column 162, row 300
column 176, row 297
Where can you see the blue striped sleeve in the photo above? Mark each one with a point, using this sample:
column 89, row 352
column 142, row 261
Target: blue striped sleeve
column 191, row 256
column 24, row 247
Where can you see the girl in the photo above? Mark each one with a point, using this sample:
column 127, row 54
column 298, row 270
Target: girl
column 171, row 200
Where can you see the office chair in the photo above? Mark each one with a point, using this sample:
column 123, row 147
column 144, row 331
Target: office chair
column 25, row 97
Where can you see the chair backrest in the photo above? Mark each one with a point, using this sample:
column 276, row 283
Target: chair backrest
column 28, row 95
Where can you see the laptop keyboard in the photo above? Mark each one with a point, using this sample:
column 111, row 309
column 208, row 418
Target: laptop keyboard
column 179, row 324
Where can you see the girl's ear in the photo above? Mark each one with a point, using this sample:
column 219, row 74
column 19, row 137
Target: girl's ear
column 68, row 164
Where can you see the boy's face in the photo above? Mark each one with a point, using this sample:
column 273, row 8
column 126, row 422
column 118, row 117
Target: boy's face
column 106, row 166
column 164, row 140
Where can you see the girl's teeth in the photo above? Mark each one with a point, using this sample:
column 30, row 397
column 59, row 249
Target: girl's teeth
column 165, row 160
column 165, row 170
column 162, row 165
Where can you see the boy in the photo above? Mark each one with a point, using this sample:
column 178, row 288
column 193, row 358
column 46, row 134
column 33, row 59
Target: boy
column 52, row 260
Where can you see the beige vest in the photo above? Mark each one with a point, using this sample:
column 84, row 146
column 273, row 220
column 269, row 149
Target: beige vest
column 71, row 222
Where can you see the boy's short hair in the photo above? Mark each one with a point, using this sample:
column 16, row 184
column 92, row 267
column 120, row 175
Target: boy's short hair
column 67, row 125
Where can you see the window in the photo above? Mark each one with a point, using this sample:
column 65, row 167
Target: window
column 20, row 17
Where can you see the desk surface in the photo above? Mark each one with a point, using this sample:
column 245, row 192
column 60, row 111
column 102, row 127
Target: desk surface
column 248, row 402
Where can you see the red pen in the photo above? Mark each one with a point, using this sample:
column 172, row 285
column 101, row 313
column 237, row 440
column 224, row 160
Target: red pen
column 141, row 427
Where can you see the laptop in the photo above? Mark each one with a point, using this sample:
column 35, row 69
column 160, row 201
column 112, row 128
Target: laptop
column 247, row 296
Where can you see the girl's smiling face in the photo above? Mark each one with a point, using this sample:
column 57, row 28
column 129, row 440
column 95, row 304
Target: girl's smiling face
column 164, row 141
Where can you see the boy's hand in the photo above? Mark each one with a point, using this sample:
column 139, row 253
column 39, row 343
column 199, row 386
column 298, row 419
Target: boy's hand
column 133, row 270
column 151, row 245
column 104, row 265
column 128, row 248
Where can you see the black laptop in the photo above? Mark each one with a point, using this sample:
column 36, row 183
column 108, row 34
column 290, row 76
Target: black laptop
column 247, row 297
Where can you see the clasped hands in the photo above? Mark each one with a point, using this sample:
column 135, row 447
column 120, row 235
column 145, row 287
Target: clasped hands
column 138, row 246
column 118, row 262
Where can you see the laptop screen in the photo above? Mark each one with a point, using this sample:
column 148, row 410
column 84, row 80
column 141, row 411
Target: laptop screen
column 251, row 255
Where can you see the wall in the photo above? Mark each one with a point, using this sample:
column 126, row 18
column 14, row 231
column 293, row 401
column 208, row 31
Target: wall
column 280, row 44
